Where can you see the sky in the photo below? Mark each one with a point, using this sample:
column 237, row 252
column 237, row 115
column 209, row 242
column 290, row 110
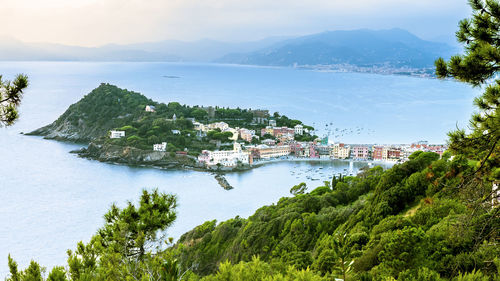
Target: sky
column 99, row 22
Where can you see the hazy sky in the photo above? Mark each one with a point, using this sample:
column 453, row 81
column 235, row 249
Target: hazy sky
column 98, row 22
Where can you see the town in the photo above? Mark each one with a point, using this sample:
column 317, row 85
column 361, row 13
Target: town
column 251, row 147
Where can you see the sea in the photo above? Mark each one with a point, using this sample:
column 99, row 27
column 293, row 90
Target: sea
column 51, row 199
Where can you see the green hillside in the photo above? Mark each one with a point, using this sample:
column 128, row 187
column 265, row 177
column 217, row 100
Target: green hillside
column 108, row 107
column 407, row 221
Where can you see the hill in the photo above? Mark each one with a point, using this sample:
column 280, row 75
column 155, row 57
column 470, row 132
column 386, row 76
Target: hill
column 364, row 48
column 105, row 108
column 408, row 222
column 143, row 123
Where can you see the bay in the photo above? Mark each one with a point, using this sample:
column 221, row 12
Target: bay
column 51, row 199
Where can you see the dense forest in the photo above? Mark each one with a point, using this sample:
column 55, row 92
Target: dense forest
column 430, row 218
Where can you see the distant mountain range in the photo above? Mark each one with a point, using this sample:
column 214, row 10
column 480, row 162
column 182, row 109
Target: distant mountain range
column 364, row 48
column 168, row 50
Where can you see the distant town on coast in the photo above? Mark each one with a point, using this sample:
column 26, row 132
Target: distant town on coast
column 272, row 142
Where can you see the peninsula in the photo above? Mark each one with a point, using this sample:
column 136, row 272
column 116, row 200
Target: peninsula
column 122, row 126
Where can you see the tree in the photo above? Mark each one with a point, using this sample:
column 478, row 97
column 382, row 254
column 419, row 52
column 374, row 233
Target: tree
column 129, row 241
column 14, row 273
column 131, row 229
column 11, row 93
column 199, row 114
column 57, row 274
column 343, row 254
column 298, row 189
column 480, row 36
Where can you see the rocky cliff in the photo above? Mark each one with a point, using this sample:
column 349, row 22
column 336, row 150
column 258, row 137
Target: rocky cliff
column 134, row 156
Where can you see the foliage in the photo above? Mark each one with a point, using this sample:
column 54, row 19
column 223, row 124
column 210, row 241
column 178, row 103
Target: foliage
column 127, row 247
column 343, row 253
column 298, row 189
column 406, row 223
column 11, row 93
column 259, row 270
column 479, row 64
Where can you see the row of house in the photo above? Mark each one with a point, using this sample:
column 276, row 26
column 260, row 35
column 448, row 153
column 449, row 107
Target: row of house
column 251, row 153
column 279, row 132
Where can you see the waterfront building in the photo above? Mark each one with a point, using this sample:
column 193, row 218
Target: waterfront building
column 160, row 146
column 391, row 154
column 297, row 148
column 266, row 152
column 225, row 158
column 340, row 151
column 299, row 129
column 323, row 151
column 313, row 153
column 116, row 134
column 377, row 152
column 360, row 152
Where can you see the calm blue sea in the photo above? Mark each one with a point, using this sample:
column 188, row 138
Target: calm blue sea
column 51, row 199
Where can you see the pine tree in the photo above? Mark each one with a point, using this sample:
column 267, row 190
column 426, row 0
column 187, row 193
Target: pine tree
column 479, row 66
column 10, row 97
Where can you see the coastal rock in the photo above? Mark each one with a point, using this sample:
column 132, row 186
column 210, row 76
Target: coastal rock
column 135, row 156
column 223, row 182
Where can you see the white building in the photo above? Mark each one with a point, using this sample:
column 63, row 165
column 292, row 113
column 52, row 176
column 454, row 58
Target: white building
column 225, row 158
column 117, row 134
column 272, row 123
column 150, row 108
column 198, row 126
column 299, row 129
column 218, row 125
column 160, row 146
column 176, row 132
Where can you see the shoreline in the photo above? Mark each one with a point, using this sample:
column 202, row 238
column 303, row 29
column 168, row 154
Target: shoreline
column 257, row 164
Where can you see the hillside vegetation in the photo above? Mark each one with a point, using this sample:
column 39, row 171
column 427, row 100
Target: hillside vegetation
column 103, row 109
column 410, row 221
column 110, row 108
